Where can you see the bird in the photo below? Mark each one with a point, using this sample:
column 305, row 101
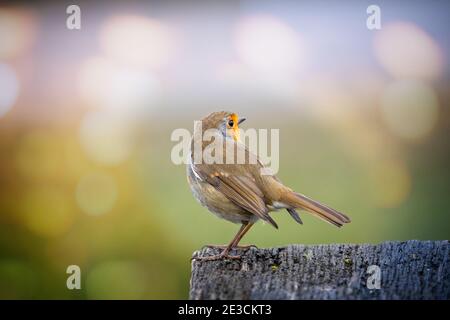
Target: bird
column 239, row 192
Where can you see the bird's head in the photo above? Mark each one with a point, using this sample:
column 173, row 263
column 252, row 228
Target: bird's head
column 226, row 122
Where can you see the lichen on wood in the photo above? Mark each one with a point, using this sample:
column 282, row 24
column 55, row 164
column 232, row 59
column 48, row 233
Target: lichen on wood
column 407, row 270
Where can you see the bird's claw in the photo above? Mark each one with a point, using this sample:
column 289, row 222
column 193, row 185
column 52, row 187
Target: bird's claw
column 223, row 255
column 222, row 246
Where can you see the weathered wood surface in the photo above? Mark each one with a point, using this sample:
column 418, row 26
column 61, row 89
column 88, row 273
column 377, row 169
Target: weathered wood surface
column 409, row 270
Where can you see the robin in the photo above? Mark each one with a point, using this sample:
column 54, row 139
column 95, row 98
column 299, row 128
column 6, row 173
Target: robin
column 241, row 191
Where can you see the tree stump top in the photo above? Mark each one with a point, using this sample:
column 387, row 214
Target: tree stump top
column 390, row 270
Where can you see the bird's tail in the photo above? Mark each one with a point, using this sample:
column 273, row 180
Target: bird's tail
column 328, row 214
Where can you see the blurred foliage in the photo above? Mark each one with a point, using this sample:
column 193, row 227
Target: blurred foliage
column 141, row 247
column 86, row 117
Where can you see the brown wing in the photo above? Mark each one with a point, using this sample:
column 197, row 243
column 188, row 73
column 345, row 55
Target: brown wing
column 238, row 187
column 243, row 192
column 238, row 181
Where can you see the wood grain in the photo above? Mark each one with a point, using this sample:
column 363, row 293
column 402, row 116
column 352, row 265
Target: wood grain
column 409, row 270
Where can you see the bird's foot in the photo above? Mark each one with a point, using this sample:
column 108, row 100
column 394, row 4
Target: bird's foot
column 223, row 246
column 223, row 255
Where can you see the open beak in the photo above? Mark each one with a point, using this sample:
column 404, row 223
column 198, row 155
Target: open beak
column 241, row 120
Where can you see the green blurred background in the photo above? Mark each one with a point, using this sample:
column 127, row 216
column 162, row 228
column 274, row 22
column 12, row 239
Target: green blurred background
column 86, row 116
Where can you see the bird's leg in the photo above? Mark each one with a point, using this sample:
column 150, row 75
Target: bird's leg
column 247, row 227
column 224, row 246
column 225, row 253
column 235, row 240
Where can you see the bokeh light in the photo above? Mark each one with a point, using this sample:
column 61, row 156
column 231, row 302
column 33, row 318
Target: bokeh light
column 390, row 183
column 9, row 85
column 107, row 137
column 405, row 50
column 410, row 109
column 86, row 118
column 16, row 32
column 96, row 193
column 48, row 211
column 38, row 158
column 326, row 98
column 137, row 41
column 268, row 44
column 104, row 84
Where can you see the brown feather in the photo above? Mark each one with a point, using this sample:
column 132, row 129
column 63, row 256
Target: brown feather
column 245, row 186
column 236, row 191
column 324, row 212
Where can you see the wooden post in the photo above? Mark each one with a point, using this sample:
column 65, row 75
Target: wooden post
column 401, row 270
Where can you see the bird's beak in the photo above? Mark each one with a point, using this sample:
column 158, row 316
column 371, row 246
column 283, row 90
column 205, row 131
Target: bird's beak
column 241, row 120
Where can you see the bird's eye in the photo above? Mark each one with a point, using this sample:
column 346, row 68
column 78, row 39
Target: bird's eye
column 231, row 123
